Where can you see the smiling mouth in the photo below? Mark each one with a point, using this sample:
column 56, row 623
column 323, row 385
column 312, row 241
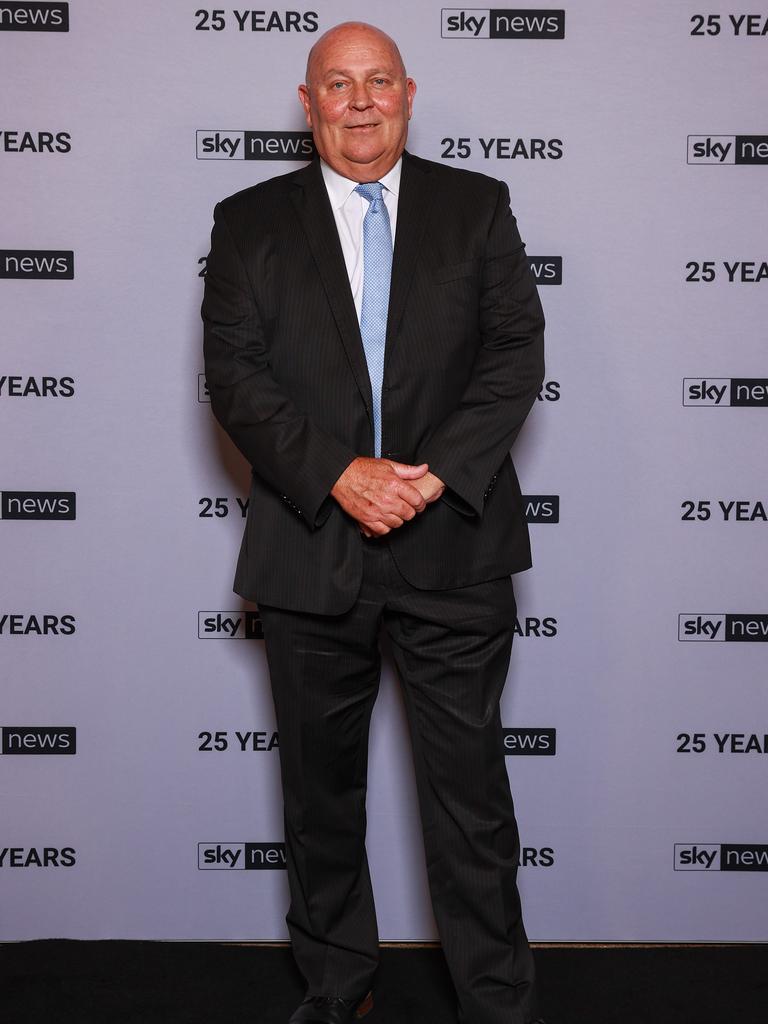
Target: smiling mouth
column 368, row 124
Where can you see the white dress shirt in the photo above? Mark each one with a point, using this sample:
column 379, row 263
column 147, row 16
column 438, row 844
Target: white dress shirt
column 349, row 209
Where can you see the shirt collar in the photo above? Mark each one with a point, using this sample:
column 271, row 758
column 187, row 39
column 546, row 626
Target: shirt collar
column 341, row 188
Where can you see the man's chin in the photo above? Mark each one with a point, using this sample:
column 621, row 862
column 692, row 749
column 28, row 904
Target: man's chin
column 363, row 163
column 370, row 156
column 363, row 154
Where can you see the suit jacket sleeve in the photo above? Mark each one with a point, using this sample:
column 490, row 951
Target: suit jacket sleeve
column 467, row 448
column 287, row 450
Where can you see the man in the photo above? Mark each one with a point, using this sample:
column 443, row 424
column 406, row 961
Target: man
column 376, row 395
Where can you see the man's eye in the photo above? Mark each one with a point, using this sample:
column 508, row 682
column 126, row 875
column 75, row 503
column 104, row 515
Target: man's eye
column 337, row 86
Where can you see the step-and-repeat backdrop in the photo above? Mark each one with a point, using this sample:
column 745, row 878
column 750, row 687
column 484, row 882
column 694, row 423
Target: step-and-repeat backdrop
column 139, row 766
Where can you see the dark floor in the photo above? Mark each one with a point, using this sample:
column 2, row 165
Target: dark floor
column 63, row 982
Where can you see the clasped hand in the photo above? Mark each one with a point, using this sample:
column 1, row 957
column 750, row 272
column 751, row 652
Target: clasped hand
column 381, row 494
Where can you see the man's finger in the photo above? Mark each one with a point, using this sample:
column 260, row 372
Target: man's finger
column 394, row 506
column 377, row 529
column 406, row 472
column 414, row 497
column 390, row 519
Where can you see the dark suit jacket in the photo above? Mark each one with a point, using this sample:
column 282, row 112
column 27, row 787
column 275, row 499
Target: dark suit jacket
column 288, row 380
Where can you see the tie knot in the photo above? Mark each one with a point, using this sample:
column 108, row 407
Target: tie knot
column 370, row 190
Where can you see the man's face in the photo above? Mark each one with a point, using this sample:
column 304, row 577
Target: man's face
column 358, row 102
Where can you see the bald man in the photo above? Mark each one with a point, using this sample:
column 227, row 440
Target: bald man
column 373, row 344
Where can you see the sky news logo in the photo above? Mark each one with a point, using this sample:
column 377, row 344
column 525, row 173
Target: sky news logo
column 541, row 508
column 215, row 144
column 242, row 625
column 37, row 264
column 738, row 392
column 38, row 505
column 34, row 17
column 541, row 742
column 547, row 269
column 38, row 739
column 721, row 857
column 479, row 23
column 728, row 149
column 241, row 856
column 722, row 627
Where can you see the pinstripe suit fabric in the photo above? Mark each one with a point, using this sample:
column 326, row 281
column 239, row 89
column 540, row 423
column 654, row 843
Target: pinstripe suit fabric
column 451, row 649
column 288, row 380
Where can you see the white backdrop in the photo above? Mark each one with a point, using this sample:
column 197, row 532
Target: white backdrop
column 660, row 757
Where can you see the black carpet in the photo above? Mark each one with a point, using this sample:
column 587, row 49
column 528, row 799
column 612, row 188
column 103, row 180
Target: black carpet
column 64, row 982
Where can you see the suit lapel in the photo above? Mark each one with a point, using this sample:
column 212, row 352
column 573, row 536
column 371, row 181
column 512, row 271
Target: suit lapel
column 413, row 207
column 316, row 216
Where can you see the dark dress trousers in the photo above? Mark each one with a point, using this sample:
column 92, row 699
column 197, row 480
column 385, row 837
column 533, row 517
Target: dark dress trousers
column 288, row 381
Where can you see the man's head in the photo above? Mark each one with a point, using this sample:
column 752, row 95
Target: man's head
column 358, row 100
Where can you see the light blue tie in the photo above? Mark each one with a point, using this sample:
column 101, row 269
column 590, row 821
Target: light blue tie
column 377, row 271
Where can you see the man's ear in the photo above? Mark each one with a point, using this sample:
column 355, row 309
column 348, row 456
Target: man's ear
column 305, row 102
column 410, row 87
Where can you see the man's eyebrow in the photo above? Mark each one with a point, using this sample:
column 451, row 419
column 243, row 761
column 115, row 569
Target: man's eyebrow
column 340, row 73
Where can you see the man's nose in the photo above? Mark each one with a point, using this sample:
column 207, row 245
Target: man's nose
column 360, row 97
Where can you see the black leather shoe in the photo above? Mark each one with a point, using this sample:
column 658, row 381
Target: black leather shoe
column 332, row 1010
